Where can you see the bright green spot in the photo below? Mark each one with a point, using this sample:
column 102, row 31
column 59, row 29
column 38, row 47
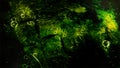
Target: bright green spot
column 108, row 18
column 31, row 23
column 106, row 46
column 78, row 9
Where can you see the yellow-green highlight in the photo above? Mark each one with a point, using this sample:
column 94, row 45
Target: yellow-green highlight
column 108, row 20
column 108, row 25
column 78, row 9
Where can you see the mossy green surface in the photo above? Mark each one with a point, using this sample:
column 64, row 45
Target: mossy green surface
column 49, row 40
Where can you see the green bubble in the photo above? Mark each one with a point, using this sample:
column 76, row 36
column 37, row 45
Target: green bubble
column 106, row 46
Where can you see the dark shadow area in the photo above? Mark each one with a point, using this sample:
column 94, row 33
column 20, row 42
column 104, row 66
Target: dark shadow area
column 10, row 48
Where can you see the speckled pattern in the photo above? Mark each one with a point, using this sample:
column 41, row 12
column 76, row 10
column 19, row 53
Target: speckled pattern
column 59, row 34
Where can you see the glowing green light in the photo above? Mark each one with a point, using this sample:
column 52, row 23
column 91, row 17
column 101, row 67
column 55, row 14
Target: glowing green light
column 59, row 31
column 102, row 30
column 34, row 56
column 67, row 20
column 31, row 23
column 78, row 9
column 106, row 46
column 79, row 32
column 108, row 20
column 23, row 11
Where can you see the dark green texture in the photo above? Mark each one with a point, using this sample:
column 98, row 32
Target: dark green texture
column 62, row 34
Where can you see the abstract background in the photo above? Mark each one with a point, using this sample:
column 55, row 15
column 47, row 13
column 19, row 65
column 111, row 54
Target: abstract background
column 59, row 34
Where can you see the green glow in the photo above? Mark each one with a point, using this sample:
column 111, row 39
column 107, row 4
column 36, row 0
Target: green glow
column 31, row 23
column 78, row 9
column 53, row 29
column 106, row 46
column 102, row 30
column 108, row 18
column 109, row 22
column 21, row 10
column 67, row 20
column 34, row 56
column 24, row 11
column 60, row 32
column 79, row 32
column 13, row 24
column 44, row 42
